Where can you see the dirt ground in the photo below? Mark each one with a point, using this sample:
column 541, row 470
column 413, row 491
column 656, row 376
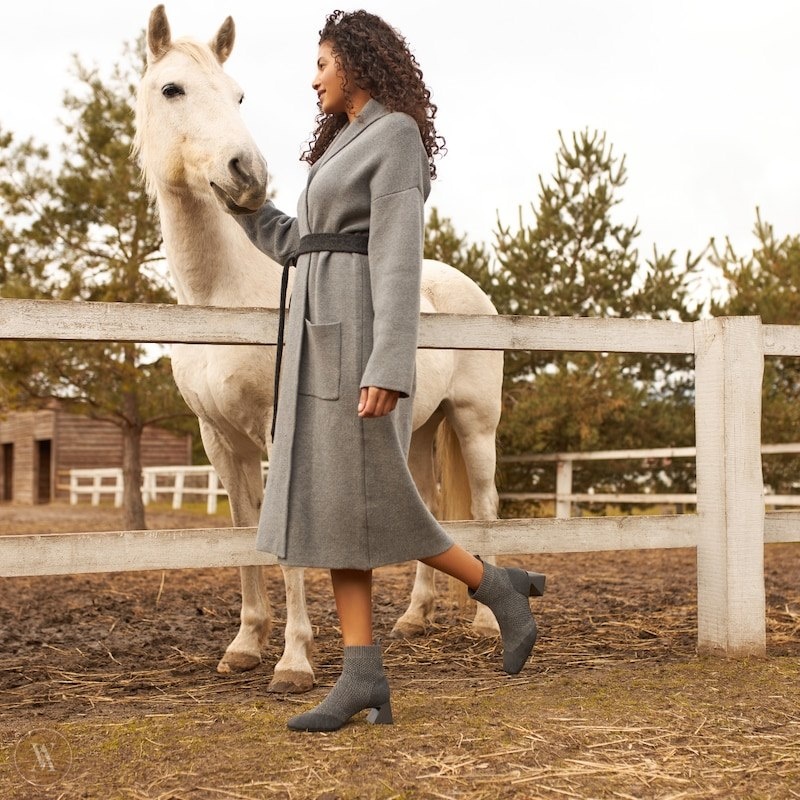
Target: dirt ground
column 108, row 689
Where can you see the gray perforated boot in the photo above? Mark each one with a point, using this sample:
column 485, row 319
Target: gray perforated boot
column 361, row 685
column 506, row 591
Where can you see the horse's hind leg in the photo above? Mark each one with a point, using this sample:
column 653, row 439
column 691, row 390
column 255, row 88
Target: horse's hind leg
column 419, row 614
column 477, row 439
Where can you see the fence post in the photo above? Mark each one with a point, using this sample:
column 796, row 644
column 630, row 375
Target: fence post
column 119, row 486
column 177, row 491
column 729, row 368
column 563, row 489
column 213, row 487
column 73, row 486
column 146, row 478
column 97, row 482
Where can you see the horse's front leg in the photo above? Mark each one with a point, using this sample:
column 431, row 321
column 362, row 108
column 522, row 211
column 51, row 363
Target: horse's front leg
column 294, row 673
column 419, row 614
column 244, row 652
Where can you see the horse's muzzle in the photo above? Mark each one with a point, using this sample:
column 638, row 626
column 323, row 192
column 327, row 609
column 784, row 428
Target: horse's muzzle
column 246, row 205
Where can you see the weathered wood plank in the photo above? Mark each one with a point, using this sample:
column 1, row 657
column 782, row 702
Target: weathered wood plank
column 781, row 526
column 781, row 340
column 729, row 364
column 138, row 322
column 135, row 322
column 121, row 551
column 571, row 334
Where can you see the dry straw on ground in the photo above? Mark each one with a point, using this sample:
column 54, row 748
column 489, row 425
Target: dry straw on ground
column 614, row 704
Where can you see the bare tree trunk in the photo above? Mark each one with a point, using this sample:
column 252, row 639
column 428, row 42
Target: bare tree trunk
column 132, row 502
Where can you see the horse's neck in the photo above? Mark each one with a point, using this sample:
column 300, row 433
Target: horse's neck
column 210, row 258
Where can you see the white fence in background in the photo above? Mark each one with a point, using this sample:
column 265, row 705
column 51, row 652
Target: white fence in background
column 177, row 481
column 203, row 481
column 564, row 497
column 729, row 529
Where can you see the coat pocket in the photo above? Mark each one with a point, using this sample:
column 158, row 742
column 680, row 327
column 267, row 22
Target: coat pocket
column 321, row 364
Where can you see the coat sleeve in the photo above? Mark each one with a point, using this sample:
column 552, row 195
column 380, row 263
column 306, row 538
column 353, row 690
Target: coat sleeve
column 396, row 228
column 271, row 231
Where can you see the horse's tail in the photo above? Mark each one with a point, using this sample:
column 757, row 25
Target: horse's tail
column 455, row 498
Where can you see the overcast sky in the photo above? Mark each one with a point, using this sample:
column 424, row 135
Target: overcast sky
column 701, row 96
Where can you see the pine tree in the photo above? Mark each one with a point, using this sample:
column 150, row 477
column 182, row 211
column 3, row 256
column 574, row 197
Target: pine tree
column 576, row 259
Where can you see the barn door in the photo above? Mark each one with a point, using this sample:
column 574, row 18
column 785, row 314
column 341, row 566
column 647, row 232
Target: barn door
column 45, row 465
column 8, row 473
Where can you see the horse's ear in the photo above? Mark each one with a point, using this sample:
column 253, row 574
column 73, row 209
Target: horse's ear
column 222, row 43
column 159, row 37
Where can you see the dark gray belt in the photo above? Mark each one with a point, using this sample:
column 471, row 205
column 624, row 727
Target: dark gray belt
column 310, row 243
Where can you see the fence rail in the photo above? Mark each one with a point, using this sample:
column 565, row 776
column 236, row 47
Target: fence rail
column 168, row 480
column 172, row 481
column 729, row 529
column 564, row 497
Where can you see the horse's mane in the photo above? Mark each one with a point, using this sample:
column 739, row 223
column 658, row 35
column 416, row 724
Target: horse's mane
column 204, row 57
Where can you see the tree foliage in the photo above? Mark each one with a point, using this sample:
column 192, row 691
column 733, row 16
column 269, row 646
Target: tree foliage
column 766, row 283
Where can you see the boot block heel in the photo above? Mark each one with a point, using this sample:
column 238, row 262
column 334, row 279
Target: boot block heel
column 381, row 715
column 531, row 584
column 537, row 582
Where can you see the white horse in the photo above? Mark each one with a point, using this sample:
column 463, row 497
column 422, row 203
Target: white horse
column 193, row 146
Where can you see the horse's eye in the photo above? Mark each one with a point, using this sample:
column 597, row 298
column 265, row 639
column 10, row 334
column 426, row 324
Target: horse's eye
column 172, row 90
column 241, row 99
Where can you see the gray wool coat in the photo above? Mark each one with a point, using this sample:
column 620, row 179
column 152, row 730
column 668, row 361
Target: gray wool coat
column 339, row 493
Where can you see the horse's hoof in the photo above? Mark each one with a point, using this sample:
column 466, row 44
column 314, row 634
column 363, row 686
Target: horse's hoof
column 407, row 630
column 237, row 662
column 291, row 682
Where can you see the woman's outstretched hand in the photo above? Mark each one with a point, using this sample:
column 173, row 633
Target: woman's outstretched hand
column 376, row 402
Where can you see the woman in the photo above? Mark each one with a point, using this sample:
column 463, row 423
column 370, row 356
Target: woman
column 339, row 494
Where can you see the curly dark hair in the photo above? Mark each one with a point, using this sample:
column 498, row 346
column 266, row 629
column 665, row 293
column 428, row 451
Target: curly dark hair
column 375, row 57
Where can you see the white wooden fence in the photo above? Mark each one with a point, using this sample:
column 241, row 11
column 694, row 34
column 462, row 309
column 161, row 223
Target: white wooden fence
column 172, row 480
column 729, row 529
column 564, row 497
column 202, row 481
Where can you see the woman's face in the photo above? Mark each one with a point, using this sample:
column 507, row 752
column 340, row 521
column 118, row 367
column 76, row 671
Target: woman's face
column 328, row 83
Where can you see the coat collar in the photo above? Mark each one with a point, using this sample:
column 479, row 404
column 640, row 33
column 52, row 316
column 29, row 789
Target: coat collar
column 373, row 110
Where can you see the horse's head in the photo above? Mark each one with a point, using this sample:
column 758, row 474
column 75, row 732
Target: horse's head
column 189, row 132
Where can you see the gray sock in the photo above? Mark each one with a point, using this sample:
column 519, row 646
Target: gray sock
column 361, row 685
column 503, row 590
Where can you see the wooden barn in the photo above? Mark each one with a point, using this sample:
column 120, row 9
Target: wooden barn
column 39, row 447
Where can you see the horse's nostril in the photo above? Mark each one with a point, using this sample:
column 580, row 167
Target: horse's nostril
column 235, row 167
column 241, row 172
column 248, row 178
